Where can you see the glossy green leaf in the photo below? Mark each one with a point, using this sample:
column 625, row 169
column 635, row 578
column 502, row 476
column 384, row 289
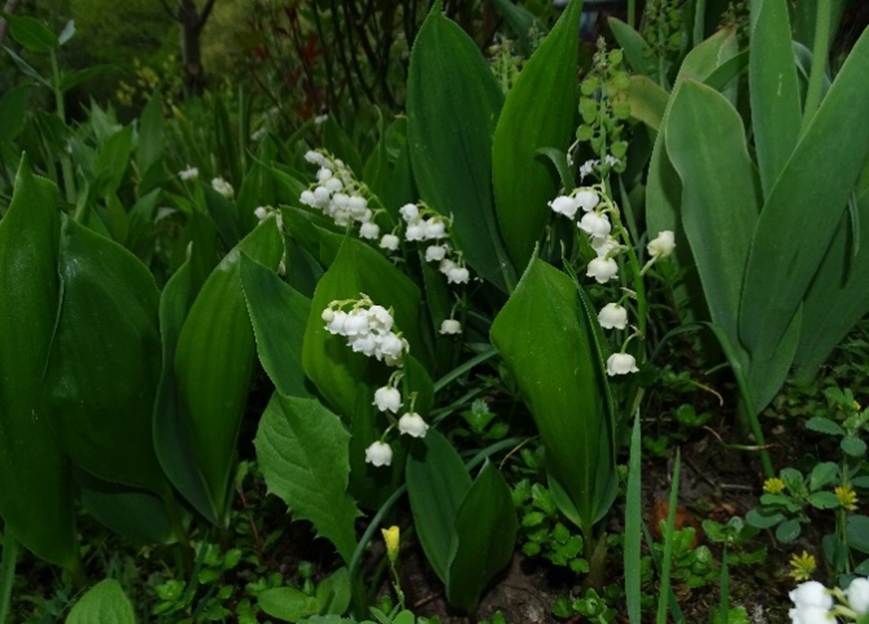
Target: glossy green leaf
column 638, row 52
column 149, row 144
column 803, row 210
column 485, row 534
column 214, row 361
column 839, row 288
column 278, row 314
column 112, row 160
column 31, row 33
column 287, row 604
column 135, row 515
column 35, row 490
column 449, row 133
column 539, row 112
column 105, row 360
column 648, row 101
column 546, row 340
column 303, row 451
column 104, row 603
column 437, row 482
column 348, row 380
column 775, row 94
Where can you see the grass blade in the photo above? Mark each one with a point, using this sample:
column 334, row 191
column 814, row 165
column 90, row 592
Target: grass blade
column 669, row 529
column 633, row 526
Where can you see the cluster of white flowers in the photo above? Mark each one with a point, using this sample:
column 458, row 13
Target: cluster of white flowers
column 815, row 604
column 223, row 187
column 339, row 195
column 596, row 207
column 370, row 330
column 188, row 173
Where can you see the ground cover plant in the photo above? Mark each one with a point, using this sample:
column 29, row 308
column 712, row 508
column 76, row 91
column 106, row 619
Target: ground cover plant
column 397, row 312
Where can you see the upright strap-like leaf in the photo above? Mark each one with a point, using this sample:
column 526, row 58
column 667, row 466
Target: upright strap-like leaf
column 803, row 209
column 540, row 111
column 453, row 102
column 775, row 94
column 35, row 490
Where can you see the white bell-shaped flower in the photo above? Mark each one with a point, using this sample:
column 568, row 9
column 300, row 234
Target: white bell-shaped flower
column 260, row 212
column 409, row 212
column 565, row 205
column 333, row 184
column 458, row 275
column 389, row 242
column 321, row 196
column 369, row 231
column 315, row 158
column 336, row 324
column 357, row 323
column 307, row 198
column 323, row 174
column 387, row 399
column 450, row 327
column 811, row 615
column 811, row 594
column 858, row 595
column 604, row 246
column 327, row 315
column 621, row 364
column 379, row 318
column 223, row 187
column 365, row 344
column 595, row 224
column 434, row 229
column 378, row 454
column 412, row 424
column 662, row 245
column 435, row 253
column 390, row 347
column 602, row 269
column 415, row 231
column 587, row 199
column 190, row 173
column 613, row 316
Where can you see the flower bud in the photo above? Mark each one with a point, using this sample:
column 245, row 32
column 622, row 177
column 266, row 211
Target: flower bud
column 392, row 539
column 662, row 245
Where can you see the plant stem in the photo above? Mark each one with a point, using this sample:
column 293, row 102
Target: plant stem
column 7, row 573
column 632, row 13
column 65, row 163
column 820, row 52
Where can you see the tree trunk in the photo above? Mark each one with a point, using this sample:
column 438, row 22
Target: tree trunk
column 191, row 49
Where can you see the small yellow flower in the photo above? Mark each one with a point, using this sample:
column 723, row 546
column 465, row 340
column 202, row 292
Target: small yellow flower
column 847, row 497
column 802, row 566
column 392, row 537
column 773, row 485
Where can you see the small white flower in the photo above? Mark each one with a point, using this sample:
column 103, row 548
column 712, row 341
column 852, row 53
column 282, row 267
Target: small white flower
column 365, row 344
column 389, row 242
column 340, row 200
column 621, row 364
column 333, row 184
column 390, row 348
column 811, row 594
column 357, row 204
column 261, row 212
column 323, row 174
column 190, row 173
column 858, row 595
column 602, row 269
column 435, row 253
column 321, row 119
column 564, row 204
column 315, row 158
column 594, row 224
column 450, row 327
column 321, row 196
column 811, row 615
column 380, row 318
column 307, row 198
column 604, row 246
column 613, row 316
column 356, row 323
column 415, row 231
column 409, row 212
column 434, row 229
column 378, row 454
column 369, row 231
column 587, row 168
column 327, row 315
column 412, row 424
column 611, row 161
column 223, row 187
column 336, row 324
column 458, row 275
column 387, row 399
column 446, row 266
column 587, row 199
column 662, row 245
column 259, row 134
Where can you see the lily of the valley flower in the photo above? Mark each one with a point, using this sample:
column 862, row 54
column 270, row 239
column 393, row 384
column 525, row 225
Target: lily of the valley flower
column 587, row 199
column 602, row 269
column 811, row 594
column 189, row 173
column 378, row 454
column 858, row 595
column 450, row 327
column 565, row 205
column 223, row 187
column 662, row 245
column 369, row 231
column 412, row 424
column 596, row 225
column 621, row 364
column 389, row 242
column 613, row 316
column 435, row 253
column 387, row 399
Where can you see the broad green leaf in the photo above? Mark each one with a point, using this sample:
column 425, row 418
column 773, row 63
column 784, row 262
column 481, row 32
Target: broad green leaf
column 135, row 515
column 839, row 287
column 111, row 162
column 720, row 195
column 348, row 380
column 638, row 53
column 214, row 361
column 149, row 145
column 104, row 603
column 803, row 210
column 437, row 482
column 303, row 451
column 287, row 604
column 278, row 314
column 648, row 101
column 35, row 490
column 663, row 191
column 31, row 33
column 105, row 360
column 546, row 340
column 13, row 110
column 449, row 133
column 485, row 534
column 539, row 111
column 858, row 533
column 775, row 95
